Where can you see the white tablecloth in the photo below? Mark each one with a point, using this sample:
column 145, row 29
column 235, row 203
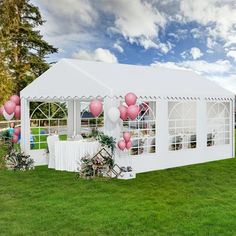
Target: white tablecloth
column 69, row 153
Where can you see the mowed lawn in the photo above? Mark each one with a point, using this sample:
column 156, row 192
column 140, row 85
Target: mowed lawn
column 192, row 200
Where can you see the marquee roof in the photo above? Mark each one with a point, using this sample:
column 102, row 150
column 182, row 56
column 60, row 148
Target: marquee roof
column 71, row 78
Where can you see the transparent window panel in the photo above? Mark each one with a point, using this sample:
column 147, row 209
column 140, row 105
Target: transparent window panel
column 151, row 141
column 34, row 146
column 63, row 122
column 43, row 138
column 171, row 124
column 34, row 123
column 54, row 123
column 43, row 146
column 152, row 149
column 172, row 131
column 227, row 128
column 192, row 145
column 140, row 150
column 134, row 151
column 179, row 123
column 226, row 121
column 227, row 141
column 227, row 135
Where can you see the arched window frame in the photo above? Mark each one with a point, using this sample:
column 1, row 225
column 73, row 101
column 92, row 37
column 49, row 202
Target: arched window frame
column 88, row 124
column 182, row 130
column 42, row 127
column 143, row 131
column 218, row 126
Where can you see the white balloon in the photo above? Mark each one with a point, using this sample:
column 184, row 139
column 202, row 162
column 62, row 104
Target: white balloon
column 114, row 114
column 7, row 116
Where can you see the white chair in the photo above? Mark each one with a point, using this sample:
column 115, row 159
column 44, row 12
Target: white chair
column 51, row 147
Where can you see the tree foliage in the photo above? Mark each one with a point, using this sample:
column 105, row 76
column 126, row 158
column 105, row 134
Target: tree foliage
column 6, row 84
column 22, row 47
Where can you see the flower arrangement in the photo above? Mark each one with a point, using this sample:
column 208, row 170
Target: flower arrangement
column 16, row 160
column 100, row 164
column 105, row 140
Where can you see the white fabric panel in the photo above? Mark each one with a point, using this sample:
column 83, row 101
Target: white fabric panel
column 51, row 147
column 69, row 153
column 77, row 122
column 70, row 118
column 75, row 78
column 25, row 126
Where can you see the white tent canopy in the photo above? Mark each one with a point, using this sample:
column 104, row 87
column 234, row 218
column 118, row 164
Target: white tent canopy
column 187, row 119
column 71, row 78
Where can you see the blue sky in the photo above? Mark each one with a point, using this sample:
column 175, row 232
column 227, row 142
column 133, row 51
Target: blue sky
column 194, row 35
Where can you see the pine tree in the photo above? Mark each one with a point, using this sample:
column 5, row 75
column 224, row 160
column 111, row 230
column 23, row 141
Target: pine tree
column 22, row 46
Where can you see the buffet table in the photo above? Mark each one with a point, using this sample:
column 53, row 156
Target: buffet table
column 69, row 153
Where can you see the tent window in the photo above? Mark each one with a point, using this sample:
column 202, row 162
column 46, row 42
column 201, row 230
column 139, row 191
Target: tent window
column 46, row 119
column 182, row 125
column 143, row 130
column 89, row 123
column 218, row 123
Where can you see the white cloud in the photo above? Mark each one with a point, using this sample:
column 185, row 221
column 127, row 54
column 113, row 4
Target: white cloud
column 232, row 54
column 100, row 54
column 138, row 21
column 73, row 12
column 196, row 53
column 118, row 47
column 218, row 16
column 211, row 43
column 197, row 33
column 163, row 47
column 193, row 53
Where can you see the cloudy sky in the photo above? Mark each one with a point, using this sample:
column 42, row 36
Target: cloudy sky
column 191, row 34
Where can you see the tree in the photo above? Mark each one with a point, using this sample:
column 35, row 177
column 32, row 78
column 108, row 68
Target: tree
column 22, row 46
column 6, row 85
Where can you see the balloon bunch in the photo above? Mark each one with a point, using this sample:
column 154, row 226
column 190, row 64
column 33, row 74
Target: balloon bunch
column 11, row 108
column 125, row 142
column 16, row 135
column 130, row 111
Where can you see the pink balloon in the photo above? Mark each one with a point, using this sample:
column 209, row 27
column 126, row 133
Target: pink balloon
column 15, row 99
column 130, row 99
column 95, row 107
column 1, row 110
column 126, row 136
column 17, row 131
column 9, row 107
column 133, row 111
column 17, row 112
column 15, row 138
column 128, row 145
column 123, row 112
column 121, row 145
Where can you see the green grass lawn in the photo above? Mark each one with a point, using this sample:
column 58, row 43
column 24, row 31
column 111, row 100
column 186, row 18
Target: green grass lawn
column 192, row 200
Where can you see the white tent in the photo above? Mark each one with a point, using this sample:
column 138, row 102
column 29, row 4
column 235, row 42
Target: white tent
column 192, row 117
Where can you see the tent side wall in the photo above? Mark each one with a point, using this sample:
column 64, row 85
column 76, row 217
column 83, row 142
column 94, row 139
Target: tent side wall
column 164, row 158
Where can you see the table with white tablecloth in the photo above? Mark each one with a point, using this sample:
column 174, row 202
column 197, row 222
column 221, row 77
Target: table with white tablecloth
column 69, row 153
